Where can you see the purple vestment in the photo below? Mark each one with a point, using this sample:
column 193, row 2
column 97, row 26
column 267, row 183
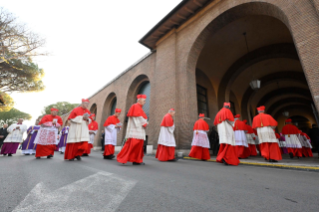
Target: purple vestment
column 64, row 137
column 28, row 143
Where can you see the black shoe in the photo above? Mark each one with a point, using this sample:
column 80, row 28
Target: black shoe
column 109, row 157
column 226, row 164
column 78, row 157
column 138, row 163
column 274, row 161
column 38, row 157
column 9, row 154
column 50, row 156
column 4, row 154
column 27, row 154
column 291, row 155
column 174, row 160
column 85, row 155
column 61, row 153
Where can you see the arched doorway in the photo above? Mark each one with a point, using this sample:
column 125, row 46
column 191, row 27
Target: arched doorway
column 93, row 109
column 145, row 88
column 242, row 46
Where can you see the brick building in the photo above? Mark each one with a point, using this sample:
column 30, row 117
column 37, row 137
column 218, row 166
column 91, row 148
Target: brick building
column 205, row 52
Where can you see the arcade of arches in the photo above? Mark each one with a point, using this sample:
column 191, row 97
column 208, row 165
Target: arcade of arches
column 206, row 52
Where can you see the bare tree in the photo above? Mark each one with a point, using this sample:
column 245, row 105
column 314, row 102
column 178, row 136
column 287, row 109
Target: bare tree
column 17, row 41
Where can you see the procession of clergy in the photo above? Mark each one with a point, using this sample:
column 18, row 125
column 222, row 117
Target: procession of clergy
column 237, row 139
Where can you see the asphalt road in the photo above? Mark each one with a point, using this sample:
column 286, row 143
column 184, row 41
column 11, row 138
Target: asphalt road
column 94, row 184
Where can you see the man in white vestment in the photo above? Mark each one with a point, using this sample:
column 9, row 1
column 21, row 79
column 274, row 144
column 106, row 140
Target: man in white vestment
column 15, row 137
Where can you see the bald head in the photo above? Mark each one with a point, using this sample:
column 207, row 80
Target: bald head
column 141, row 101
column 172, row 112
column 5, row 125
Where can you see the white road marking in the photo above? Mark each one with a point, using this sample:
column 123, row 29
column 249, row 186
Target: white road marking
column 99, row 192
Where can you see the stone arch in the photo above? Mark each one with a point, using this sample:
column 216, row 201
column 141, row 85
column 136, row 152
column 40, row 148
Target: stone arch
column 107, row 107
column 134, row 88
column 203, row 80
column 93, row 109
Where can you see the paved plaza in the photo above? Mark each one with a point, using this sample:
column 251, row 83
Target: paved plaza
column 187, row 185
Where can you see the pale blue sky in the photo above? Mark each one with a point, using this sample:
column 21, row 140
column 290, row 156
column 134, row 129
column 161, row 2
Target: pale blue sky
column 90, row 42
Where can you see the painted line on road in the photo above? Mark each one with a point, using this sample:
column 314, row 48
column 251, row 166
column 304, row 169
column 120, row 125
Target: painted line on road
column 282, row 166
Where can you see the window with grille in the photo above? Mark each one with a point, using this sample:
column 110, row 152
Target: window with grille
column 202, row 103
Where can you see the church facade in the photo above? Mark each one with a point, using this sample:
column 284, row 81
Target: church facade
column 206, row 52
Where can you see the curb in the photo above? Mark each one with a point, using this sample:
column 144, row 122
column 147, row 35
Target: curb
column 271, row 165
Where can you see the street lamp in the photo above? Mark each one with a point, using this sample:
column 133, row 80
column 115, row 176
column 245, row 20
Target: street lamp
column 255, row 84
column 285, row 113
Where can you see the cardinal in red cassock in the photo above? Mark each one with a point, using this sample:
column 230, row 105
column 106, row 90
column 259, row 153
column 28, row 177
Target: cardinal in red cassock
column 166, row 140
column 268, row 143
column 293, row 144
column 224, row 121
column 93, row 128
column 240, row 138
column 132, row 150
column 47, row 136
column 112, row 126
column 250, row 135
column 78, row 137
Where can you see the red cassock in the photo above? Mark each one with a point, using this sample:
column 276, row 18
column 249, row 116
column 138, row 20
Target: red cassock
column 165, row 149
column 223, row 115
column 200, row 152
column 73, row 150
column 252, row 147
column 289, row 130
column 94, row 127
column 242, row 150
column 109, row 149
column 306, row 150
column 132, row 151
column 46, row 150
column 264, row 124
column 227, row 150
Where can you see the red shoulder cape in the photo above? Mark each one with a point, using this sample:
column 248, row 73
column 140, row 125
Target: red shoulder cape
column 136, row 110
column 264, row 120
column 93, row 126
column 200, row 124
column 111, row 120
column 249, row 129
column 222, row 115
column 167, row 121
column 239, row 125
column 289, row 129
column 277, row 135
column 79, row 111
column 49, row 118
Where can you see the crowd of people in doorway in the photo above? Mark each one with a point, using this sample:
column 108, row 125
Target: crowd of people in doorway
column 231, row 138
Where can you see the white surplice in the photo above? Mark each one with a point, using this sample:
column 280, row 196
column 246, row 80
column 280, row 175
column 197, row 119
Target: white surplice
column 111, row 135
column 226, row 133
column 79, row 131
column 266, row 135
column 15, row 135
column 166, row 136
column 135, row 128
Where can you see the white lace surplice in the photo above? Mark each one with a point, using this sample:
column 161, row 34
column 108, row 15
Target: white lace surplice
column 266, row 135
column 135, row 128
column 47, row 136
column 166, row 136
column 78, row 131
column 240, row 138
column 200, row 138
column 91, row 141
column 292, row 141
column 15, row 136
column 250, row 138
column 111, row 135
column 226, row 133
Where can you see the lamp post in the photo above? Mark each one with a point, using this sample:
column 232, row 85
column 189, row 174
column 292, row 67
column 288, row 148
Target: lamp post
column 285, row 113
column 255, row 84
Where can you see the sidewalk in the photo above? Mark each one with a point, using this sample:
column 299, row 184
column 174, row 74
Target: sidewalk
column 306, row 164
